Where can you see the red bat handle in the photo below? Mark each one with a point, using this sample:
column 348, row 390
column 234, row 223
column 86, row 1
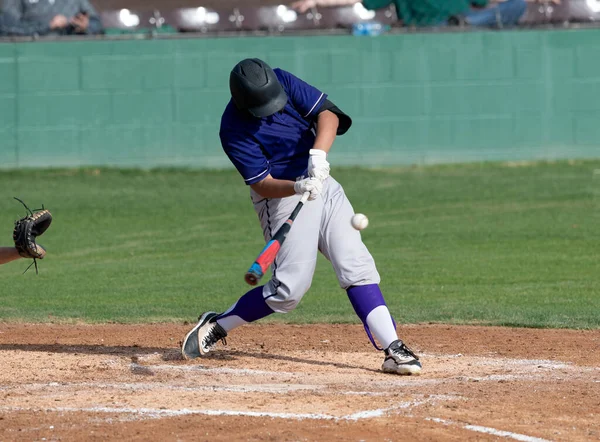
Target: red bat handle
column 268, row 254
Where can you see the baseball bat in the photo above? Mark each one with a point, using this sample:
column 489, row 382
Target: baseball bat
column 268, row 254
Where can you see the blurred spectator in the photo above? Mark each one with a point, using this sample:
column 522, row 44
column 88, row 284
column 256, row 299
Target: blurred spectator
column 49, row 17
column 499, row 13
column 438, row 12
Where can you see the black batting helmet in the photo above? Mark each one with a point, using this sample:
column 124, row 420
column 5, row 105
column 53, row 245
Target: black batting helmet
column 255, row 88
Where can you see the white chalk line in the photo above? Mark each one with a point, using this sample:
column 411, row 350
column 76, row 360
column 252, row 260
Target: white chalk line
column 155, row 413
column 260, row 388
column 220, row 370
column 285, row 388
column 64, row 387
column 527, row 366
column 275, row 388
column 384, row 386
column 489, row 430
column 538, row 376
column 509, row 362
column 482, row 361
column 151, row 413
column 254, row 388
column 287, row 374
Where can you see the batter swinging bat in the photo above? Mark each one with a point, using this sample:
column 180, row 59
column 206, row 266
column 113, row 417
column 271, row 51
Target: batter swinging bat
column 268, row 254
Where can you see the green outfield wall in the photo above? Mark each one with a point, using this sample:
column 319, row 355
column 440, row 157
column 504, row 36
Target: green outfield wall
column 415, row 98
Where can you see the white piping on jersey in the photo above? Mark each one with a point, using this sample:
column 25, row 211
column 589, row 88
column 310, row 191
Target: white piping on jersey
column 315, row 105
column 262, row 173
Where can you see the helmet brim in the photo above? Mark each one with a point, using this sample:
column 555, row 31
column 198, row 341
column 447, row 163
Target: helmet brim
column 270, row 108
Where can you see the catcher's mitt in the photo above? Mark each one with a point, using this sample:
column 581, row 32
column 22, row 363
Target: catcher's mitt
column 27, row 229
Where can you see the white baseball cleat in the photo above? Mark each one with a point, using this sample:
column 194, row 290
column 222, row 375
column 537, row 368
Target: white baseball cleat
column 400, row 359
column 203, row 337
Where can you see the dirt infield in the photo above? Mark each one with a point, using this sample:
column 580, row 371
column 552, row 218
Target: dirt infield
column 283, row 382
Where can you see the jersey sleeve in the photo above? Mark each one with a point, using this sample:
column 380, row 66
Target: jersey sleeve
column 306, row 99
column 345, row 120
column 247, row 157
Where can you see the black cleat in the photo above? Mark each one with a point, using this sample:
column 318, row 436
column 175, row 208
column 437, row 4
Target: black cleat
column 400, row 359
column 203, row 337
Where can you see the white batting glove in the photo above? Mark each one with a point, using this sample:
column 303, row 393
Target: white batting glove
column 318, row 166
column 312, row 185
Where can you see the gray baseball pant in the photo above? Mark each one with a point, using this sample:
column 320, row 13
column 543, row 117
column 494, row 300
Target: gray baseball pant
column 322, row 225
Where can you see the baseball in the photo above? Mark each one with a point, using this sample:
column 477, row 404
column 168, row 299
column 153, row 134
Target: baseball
column 359, row 221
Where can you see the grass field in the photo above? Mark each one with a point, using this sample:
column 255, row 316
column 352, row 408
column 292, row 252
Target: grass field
column 505, row 244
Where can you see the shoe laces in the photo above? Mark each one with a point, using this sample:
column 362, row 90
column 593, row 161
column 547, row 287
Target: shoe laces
column 401, row 349
column 215, row 334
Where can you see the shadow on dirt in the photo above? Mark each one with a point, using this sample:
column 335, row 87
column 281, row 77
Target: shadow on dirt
column 130, row 351
column 168, row 354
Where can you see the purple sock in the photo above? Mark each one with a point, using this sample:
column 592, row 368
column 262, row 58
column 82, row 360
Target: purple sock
column 365, row 299
column 250, row 307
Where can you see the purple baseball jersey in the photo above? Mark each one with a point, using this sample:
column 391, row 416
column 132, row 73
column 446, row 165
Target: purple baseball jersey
column 277, row 144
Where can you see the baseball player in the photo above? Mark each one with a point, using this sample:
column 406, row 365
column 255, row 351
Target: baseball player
column 277, row 131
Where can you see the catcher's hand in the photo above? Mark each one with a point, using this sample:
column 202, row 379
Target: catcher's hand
column 27, row 229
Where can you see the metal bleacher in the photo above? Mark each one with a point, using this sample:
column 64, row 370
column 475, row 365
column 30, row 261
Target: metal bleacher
column 232, row 17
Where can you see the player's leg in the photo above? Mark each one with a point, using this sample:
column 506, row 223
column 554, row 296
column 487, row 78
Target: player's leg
column 353, row 264
column 357, row 274
column 294, row 266
column 292, row 274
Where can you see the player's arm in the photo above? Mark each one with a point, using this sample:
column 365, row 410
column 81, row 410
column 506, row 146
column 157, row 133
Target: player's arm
column 315, row 107
column 8, row 254
column 327, row 126
column 330, row 121
column 274, row 188
column 248, row 158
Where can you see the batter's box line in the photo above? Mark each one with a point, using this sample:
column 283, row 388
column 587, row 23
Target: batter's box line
column 488, row 430
column 157, row 387
column 153, row 413
column 284, row 389
column 218, row 370
column 504, row 361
